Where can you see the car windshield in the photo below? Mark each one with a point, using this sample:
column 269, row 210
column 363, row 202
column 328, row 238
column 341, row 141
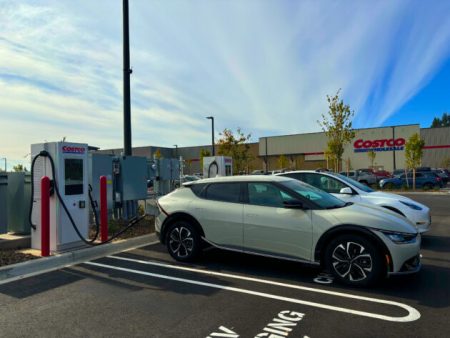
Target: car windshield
column 360, row 186
column 319, row 197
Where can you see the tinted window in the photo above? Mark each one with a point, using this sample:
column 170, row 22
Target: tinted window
column 323, row 182
column 268, row 195
column 225, row 192
column 315, row 195
column 197, row 188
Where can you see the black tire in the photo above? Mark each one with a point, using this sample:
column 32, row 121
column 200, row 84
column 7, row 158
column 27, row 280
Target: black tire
column 183, row 241
column 354, row 260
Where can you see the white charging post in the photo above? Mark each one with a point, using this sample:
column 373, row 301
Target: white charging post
column 217, row 166
column 70, row 161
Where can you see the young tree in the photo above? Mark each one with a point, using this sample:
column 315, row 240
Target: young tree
column 19, row 168
column 203, row 153
column 158, row 154
column 282, row 161
column 371, row 154
column 337, row 126
column 413, row 154
column 446, row 163
column 236, row 146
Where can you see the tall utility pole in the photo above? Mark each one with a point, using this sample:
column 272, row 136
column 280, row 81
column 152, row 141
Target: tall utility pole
column 126, row 83
column 212, row 134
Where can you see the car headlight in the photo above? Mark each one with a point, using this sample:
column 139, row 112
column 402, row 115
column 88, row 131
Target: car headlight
column 399, row 237
column 411, row 205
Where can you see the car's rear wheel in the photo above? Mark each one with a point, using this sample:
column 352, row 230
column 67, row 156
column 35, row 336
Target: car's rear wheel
column 183, row 241
column 354, row 260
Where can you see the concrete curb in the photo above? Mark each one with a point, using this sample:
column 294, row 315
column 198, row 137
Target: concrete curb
column 10, row 273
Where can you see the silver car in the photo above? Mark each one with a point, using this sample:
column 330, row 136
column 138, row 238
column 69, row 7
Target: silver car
column 283, row 218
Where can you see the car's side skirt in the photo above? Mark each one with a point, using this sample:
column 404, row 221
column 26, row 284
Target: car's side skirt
column 264, row 254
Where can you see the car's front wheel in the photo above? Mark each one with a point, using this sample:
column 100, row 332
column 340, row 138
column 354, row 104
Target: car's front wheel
column 183, row 241
column 354, row 260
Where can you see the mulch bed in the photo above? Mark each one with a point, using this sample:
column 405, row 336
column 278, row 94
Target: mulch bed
column 143, row 227
column 13, row 256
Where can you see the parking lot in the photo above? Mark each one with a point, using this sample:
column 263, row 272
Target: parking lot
column 143, row 292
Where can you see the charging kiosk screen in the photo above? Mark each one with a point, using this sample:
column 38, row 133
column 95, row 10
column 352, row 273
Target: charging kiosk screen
column 73, row 177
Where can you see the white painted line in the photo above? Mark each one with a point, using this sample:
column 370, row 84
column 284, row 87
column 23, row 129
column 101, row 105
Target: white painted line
column 408, row 308
column 413, row 314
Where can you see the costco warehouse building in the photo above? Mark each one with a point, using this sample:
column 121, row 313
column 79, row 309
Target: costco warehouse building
column 306, row 151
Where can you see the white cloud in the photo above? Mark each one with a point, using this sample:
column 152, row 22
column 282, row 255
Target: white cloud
column 263, row 65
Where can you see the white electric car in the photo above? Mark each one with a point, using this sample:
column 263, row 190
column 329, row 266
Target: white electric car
column 283, row 218
column 350, row 190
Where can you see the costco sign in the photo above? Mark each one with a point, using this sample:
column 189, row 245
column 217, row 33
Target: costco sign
column 362, row 146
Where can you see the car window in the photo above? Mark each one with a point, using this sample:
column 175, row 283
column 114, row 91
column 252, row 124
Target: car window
column 225, row 192
column 325, row 183
column 319, row 197
column 197, row 188
column 266, row 194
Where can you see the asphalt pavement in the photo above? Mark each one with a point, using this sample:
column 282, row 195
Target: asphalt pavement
column 144, row 293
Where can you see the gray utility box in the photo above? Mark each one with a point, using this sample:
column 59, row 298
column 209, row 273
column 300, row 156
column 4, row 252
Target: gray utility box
column 101, row 165
column 169, row 169
column 133, row 178
column 19, row 195
column 3, row 203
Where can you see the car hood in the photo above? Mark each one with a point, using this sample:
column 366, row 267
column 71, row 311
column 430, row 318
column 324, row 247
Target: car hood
column 379, row 195
column 370, row 216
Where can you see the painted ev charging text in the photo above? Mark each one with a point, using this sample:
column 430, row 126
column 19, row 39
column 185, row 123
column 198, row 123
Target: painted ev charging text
column 280, row 327
column 224, row 332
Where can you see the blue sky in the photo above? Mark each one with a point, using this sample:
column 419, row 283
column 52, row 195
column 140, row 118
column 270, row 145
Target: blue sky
column 265, row 66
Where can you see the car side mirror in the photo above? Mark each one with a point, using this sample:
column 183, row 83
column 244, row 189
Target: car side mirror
column 346, row 191
column 294, row 205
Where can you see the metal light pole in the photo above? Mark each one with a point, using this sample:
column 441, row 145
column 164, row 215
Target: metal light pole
column 176, row 150
column 126, row 83
column 212, row 134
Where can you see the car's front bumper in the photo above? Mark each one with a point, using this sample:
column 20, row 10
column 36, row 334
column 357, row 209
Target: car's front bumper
column 405, row 257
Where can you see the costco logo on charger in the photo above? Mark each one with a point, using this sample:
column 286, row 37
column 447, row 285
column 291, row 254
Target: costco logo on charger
column 73, row 150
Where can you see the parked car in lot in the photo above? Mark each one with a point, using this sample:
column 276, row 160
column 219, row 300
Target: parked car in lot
column 350, row 190
column 442, row 174
column 426, row 180
column 284, row 218
column 361, row 176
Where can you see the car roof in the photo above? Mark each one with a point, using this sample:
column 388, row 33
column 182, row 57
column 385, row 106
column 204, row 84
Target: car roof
column 243, row 178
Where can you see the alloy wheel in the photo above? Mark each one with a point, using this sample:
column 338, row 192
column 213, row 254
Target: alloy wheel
column 181, row 242
column 352, row 261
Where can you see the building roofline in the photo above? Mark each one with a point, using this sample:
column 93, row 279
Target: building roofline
column 322, row 132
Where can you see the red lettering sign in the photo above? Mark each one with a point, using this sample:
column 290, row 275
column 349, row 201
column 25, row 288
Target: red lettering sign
column 366, row 144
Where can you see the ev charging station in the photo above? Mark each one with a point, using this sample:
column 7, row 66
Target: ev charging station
column 69, row 169
column 217, row 166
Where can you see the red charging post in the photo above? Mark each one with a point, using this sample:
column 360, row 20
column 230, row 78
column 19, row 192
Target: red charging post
column 103, row 210
column 45, row 216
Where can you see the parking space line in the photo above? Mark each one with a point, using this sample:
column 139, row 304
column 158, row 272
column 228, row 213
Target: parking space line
column 413, row 314
column 411, row 310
